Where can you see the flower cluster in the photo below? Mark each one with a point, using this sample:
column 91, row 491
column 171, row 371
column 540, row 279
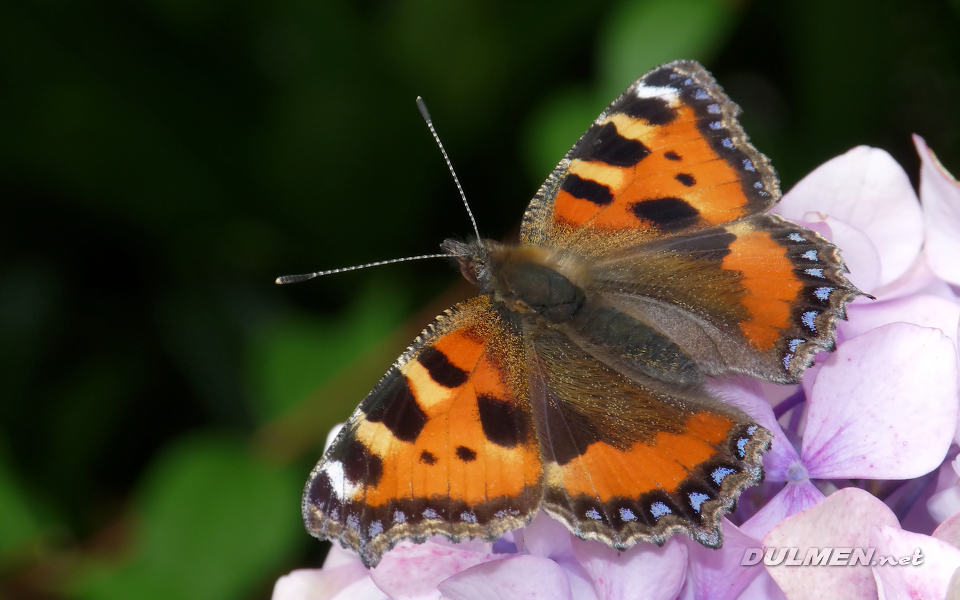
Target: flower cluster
column 861, row 456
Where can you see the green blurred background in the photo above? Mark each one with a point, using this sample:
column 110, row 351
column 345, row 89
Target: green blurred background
column 162, row 161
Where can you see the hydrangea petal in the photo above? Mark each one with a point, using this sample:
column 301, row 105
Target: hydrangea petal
column 919, row 279
column 944, row 504
column 841, row 520
column 548, row 538
column 940, row 192
column 949, row 530
column 518, row 577
column 340, row 583
column 644, row 572
column 858, row 252
column 762, row 587
column 363, row 589
column 338, row 555
column 792, row 499
column 866, row 188
column 922, row 310
column 581, row 587
column 431, row 563
column 884, row 405
column 927, row 578
column 718, row 574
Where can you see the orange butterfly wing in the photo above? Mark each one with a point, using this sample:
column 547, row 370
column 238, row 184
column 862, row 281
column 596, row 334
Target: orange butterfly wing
column 666, row 157
column 445, row 444
column 666, row 198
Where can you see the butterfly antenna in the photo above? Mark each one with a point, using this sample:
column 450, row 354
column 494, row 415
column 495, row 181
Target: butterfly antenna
column 306, row 276
column 426, row 117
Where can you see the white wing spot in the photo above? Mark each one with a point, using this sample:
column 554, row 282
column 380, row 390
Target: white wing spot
column 697, row 499
column 649, row 91
column 353, row 522
column 720, row 473
column 342, row 488
column 658, row 509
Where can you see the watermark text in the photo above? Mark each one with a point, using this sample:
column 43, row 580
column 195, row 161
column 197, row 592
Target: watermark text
column 825, row 557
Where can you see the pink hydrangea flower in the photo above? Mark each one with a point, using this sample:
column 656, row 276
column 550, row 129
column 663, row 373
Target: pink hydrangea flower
column 542, row 560
column 879, row 414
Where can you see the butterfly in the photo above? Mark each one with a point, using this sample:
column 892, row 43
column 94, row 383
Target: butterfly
column 574, row 383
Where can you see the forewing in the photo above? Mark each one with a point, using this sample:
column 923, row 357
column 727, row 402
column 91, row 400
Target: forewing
column 444, row 445
column 666, row 157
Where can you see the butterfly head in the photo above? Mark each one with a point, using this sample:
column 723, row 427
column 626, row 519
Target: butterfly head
column 522, row 279
column 474, row 260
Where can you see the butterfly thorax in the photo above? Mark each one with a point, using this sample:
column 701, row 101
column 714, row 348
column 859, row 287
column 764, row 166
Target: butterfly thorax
column 525, row 279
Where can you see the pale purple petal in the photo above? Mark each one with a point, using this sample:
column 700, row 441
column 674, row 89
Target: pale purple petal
column 338, row 555
column 841, row 520
column 746, row 394
column 858, row 251
column 546, row 537
column 792, row 499
column 478, row 546
column 866, row 188
column 364, row 589
column 718, row 574
column 941, row 214
column 581, row 587
column 944, row 504
column 644, row 572
column 810, row 375
column 925, row 311
column 763, row 587
column 949, row 531
column 884, row 406
column 340, row 583
column 519, row 577
column 549, row 538
column 414, row 570
column 920, row 280
column 942, row 501
column 928, row 572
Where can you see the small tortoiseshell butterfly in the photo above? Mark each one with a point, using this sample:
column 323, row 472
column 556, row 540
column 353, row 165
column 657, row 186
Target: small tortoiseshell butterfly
column 574, row 383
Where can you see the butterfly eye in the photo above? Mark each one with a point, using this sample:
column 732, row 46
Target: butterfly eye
column 473, row 269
